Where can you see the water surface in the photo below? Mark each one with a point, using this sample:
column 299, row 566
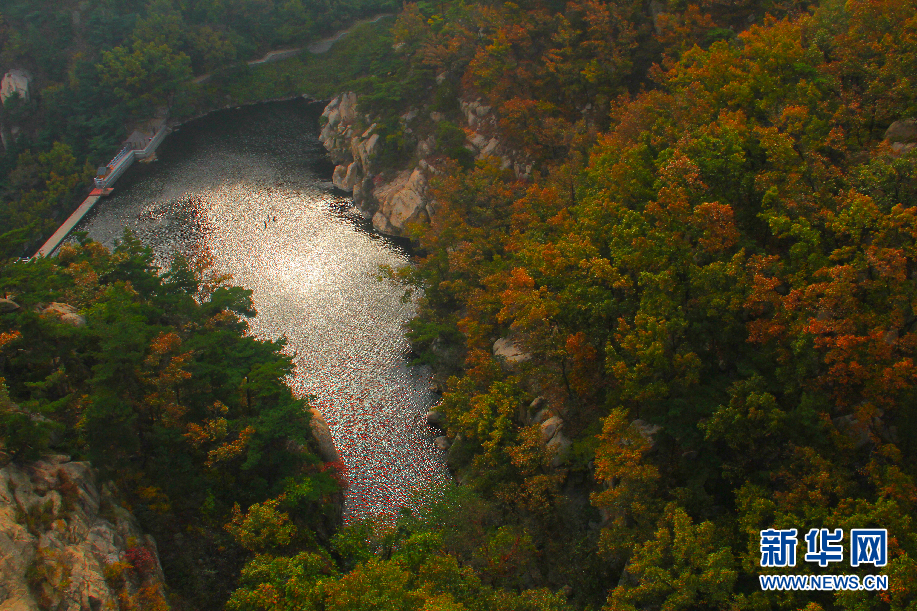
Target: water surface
column 249, row 188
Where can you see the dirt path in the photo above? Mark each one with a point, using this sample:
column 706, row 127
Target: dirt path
column 322, row 46
column 316, row 48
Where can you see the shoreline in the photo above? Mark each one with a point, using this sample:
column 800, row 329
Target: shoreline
column 315, row 48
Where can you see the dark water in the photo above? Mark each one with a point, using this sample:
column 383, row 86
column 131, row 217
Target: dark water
column 250, row 190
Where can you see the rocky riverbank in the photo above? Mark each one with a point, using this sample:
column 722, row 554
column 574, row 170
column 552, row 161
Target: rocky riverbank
column 395, row 197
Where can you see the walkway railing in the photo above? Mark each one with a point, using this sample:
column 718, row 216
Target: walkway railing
column 125, row 157
column 116, row 167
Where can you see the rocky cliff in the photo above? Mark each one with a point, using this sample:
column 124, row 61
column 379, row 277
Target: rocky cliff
column 395, row 197
column 65, row 543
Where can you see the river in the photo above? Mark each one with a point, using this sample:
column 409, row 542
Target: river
column 250, row 189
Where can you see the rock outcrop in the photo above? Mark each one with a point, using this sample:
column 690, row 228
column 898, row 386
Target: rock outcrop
column 481, row 121
column 647, row 431
column 322, row 435
column 510, row 353
column 15, row 81
column 401, row 201
column 393, row 202
column 66, row 313
column 902, row 135
column 8, row 305
column 66, row 544
column 435, row 418
column 554, row 440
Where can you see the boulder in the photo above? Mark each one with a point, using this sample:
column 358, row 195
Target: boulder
column 435, row 418
column 353, row 177
column 65, row 312
column 322, row 435
column 8, row 305
column 510, row 351
column 559, row 447
column 337, row 177
column 902, row 135
column 442, row 442
column 904, row 131
column 550, row 427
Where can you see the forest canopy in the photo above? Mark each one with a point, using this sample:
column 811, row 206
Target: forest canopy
column 710, row 267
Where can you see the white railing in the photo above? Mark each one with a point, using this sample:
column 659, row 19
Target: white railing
column 154, row 142
column 125, row 158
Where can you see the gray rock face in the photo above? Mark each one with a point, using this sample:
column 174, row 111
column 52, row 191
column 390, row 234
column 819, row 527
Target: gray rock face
column 391, row 203
column 61, row 535
column 363, row 197
column 346, row 178
column 366, row 148
column 353, row 176
column 400, row 202
column 483, row 124
column 337, row 177
column 475, row 112
column 338, row 130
